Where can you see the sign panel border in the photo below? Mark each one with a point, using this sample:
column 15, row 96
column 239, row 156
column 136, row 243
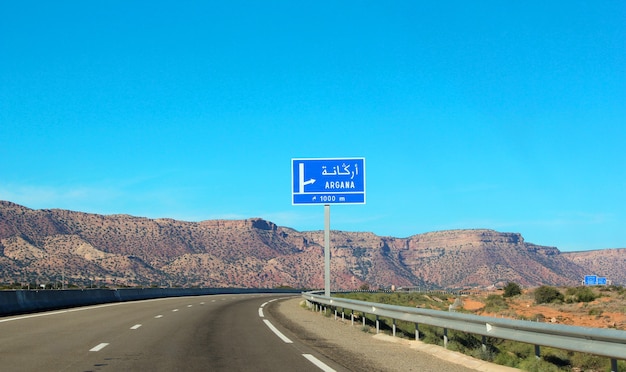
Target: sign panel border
column 324, row 197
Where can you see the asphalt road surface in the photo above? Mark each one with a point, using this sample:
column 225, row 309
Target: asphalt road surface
column 205, row 333
column 208, row 333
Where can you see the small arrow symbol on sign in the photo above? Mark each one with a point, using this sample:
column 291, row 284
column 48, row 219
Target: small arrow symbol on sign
column 312, row 180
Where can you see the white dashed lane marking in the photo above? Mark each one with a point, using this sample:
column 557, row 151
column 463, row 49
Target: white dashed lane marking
column 99, row 347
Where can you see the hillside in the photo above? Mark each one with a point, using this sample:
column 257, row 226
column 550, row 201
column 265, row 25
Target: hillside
column 42, row 246
column 609, row 263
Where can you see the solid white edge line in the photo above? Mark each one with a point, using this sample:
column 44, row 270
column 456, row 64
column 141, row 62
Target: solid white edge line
column 261, row 312
column 99, row 347
column 321, row 365
column 264, row 303
column 277, row 332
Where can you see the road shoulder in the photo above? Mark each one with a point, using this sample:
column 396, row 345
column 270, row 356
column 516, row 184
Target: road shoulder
column 337, row 338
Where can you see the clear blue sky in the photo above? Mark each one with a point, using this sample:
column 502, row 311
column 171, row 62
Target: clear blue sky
column 491, row 114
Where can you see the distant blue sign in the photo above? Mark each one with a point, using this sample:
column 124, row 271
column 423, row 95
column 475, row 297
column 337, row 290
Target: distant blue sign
column 595, row 280
column 328, row 181
column 591, row 279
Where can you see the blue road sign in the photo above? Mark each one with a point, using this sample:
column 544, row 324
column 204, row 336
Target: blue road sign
column 591, row 279
column 328, row 181
column 601, row 280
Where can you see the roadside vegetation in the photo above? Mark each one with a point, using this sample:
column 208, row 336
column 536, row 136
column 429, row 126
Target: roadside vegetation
column 503, row 352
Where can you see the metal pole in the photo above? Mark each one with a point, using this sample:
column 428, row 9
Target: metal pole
column 327, row 250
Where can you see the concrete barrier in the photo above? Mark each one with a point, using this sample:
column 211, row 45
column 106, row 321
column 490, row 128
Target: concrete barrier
column 27, row 301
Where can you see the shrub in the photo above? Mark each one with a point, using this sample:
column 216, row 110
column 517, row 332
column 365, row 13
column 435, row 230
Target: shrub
column 546, row 294
column 539, row 317
column 587, row 362
column 506, row 359
column 595, row 311
column 537, row 365
column 520, row 349
column 487, row 354
column 580, row 294
column 512, row 289
column 495, row 303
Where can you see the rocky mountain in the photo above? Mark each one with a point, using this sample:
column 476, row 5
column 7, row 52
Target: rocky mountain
column 42, row 246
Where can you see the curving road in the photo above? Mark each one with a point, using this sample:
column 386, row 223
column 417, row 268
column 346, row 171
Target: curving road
column 207, row 333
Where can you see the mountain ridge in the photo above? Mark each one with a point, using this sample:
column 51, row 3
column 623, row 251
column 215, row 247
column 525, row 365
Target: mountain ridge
column 44, row 245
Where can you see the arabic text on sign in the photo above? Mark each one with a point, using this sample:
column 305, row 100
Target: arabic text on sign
column 336, row 171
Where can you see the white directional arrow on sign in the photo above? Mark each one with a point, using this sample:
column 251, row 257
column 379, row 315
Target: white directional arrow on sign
column 301, row 180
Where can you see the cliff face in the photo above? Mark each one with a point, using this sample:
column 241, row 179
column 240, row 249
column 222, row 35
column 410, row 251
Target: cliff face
column 469, row 258
column 42, row 245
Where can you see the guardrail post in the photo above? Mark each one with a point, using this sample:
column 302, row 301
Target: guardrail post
column 342, row 314
column 352, row 318
column 335, row 313
column 394, row 328
column 445, row 338
column 484, row 343
column 537, row 352
column 613, row 365
column 377, row 324
column 364, row 320
column 417, row 332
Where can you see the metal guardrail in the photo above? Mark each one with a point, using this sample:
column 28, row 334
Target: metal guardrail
column 609, row 343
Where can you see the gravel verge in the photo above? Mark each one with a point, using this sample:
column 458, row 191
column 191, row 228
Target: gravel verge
column 358, row 350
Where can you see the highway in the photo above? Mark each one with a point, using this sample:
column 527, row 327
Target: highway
column 205, row 333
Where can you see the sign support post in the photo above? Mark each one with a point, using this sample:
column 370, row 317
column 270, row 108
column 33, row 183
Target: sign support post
column 327, row 250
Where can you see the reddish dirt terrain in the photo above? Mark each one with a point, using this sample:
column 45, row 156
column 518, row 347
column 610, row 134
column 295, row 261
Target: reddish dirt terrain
column 608, row 311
